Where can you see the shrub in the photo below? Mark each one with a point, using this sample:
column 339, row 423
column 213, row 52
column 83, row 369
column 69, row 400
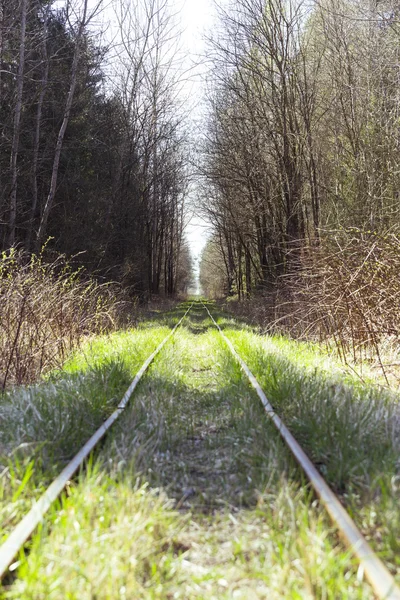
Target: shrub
column 346, row 289
column 46, row 310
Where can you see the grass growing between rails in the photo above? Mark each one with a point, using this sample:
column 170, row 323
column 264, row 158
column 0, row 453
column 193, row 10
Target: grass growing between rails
column 193, row 494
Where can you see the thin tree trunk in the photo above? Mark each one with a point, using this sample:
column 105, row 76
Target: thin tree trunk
column 3, row 223
column 1, row 40
column 37, row 137
column 17, row 128
column 60, row 139
column 248, row 272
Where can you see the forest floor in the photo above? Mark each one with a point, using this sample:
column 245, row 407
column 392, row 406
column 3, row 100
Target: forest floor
column 193, row 494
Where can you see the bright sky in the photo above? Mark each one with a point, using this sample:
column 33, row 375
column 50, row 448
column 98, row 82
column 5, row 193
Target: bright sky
column 197, row 19
column 197, row 16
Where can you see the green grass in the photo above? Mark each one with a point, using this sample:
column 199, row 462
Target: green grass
column 193, row 494
column 349, row 428
column 42, row 426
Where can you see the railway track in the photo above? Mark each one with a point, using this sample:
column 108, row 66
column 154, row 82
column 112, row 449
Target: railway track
column 377, row 574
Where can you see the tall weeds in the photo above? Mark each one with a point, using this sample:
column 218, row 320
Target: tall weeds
column 346, row 291
column 46, row 308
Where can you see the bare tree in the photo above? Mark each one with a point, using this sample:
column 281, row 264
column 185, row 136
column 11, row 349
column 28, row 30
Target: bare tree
column 17, row 125
column 80, row 28
column 150, row 152
column 43, row 88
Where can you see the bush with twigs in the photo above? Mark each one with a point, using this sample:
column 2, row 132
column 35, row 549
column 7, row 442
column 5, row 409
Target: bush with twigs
column 46, row 308
column 346, row 289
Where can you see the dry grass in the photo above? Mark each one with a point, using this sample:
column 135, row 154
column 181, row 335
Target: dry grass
column 346, row 292
column 46, row 310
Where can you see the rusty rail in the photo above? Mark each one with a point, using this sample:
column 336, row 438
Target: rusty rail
column 22, row 532
column 375, row 571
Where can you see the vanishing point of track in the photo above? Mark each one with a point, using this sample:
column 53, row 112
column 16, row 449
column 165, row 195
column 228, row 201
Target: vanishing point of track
column 375, row 571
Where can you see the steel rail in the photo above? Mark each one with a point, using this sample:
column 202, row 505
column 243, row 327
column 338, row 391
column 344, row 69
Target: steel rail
column 375, row 571
column 22, row 532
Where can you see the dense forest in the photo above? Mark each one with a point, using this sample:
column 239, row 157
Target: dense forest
column 296, row 163
column 301, row 159
column 93, row 153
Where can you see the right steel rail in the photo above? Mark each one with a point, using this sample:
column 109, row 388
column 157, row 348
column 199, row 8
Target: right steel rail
column 375, row 571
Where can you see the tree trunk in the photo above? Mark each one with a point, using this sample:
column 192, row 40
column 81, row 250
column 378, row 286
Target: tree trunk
column 17, row 128
column 37, row 137
column 60, row 138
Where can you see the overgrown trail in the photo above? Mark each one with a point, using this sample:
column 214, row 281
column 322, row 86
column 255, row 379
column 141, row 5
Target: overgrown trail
column 193, row 494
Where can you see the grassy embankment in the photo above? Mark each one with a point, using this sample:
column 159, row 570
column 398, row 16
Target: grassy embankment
column 193, row 495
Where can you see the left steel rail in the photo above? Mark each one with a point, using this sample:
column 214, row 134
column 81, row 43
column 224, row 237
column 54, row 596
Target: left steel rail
column 23, row 531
